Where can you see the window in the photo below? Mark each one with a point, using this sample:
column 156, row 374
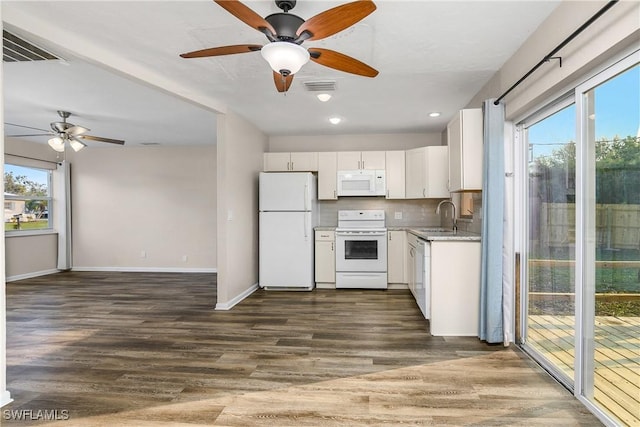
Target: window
column 27, row 194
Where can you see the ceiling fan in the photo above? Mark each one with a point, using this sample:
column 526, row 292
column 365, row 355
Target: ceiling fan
column 67, row 132
column 286, row 32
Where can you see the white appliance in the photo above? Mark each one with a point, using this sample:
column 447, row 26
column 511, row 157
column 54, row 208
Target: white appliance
column 423, row 277
column 361, row 249
column 361, row 183
column 287, row 218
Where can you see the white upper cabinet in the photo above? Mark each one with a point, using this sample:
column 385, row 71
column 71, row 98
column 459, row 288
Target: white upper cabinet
column 353, row 160
column 291, row 162
column 327, row 175
column 464, row 135
column 427, row 173
column 395, row 174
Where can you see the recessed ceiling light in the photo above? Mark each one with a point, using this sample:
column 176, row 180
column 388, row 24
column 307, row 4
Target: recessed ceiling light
column 324, row 97
column 434, row 114
column 335, row 120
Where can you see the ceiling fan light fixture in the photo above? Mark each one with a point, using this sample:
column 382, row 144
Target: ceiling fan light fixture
column 434, row 114
column 335, row 120
column 76, row 144
column 57, row 144
column 324, row 97
column 285, row 57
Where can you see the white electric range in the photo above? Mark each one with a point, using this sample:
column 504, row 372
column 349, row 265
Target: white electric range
column 361, row 249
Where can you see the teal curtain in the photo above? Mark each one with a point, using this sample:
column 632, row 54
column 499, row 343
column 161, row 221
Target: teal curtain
column 491, row 319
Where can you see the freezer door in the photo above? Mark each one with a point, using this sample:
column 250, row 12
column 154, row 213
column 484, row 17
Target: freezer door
column 286, row 250
column 287, row 191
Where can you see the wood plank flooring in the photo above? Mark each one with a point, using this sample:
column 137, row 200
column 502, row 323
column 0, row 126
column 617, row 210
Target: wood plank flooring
column 140, row 349
column 616, row 353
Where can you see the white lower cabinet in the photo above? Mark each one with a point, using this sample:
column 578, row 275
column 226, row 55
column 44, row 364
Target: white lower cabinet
column 444, row 278
column 325, row 259
column 455, row 287
column 396, row 256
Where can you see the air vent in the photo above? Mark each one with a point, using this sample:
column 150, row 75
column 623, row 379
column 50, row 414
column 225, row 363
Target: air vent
column 15, row 49
column 320, row 85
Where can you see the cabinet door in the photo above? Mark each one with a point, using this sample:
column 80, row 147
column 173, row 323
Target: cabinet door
column 372, row 160
column 325, row 262
column 396, row 259
column 454, row 139
column 465, row 139
column 395, row 174
column 327, row 176
column 472, row 149
column 277, row 162
column 415, row 173
column 349, row 160
column 437, row 172
column 304, row 162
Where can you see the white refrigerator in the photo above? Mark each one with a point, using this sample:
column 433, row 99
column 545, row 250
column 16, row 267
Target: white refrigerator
column 287, row 219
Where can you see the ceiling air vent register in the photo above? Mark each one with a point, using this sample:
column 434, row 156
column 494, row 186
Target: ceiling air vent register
column 320, row 85
column 15, row 49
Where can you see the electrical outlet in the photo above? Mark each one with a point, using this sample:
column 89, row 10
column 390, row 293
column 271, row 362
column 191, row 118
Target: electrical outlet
column 143, row 254
column 184, row 258
column 397, row 215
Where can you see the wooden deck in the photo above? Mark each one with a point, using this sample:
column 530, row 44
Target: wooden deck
column 617, row 358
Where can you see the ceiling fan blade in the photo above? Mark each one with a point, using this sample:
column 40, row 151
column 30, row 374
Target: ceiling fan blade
column 248, row 16
column 98, row 138
column 222, row 50
column 339, row 61
column 76, row 130
column 282, row 83
column 26, row 127
column 334, row 20
column 32, row 134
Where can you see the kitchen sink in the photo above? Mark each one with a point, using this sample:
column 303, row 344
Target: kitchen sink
column 433, row 230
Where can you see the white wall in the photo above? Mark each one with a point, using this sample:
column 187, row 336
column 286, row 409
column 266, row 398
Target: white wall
column 359, row 142
column 30, row 256
column 240, row 158
column 617, row 29
column 157, row 200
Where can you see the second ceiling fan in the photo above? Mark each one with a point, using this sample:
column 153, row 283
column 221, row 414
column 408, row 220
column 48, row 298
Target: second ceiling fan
column 286, row 32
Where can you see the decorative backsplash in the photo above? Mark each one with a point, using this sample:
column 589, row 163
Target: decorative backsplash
column 414, row 212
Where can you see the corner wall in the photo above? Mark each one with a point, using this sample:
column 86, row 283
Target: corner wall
column 240, row 158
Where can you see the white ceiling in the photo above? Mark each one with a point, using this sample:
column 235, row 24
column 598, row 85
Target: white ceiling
column 122, row 76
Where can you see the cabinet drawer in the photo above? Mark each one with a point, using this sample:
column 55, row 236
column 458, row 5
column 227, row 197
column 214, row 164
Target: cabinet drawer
column 325, row 235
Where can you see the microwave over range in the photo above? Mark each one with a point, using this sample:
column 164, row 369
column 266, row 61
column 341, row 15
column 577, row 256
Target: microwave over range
column 361, row 182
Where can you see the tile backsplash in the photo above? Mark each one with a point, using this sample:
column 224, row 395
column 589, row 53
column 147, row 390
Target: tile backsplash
column 414, row 212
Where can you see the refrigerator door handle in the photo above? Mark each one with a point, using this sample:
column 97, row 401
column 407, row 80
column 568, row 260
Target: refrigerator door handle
column 306, row 236
column 306, row 196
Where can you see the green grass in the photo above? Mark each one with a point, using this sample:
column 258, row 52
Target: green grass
column 31, row 225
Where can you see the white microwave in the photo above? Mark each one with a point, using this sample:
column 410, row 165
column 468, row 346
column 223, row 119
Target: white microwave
column 361, row 183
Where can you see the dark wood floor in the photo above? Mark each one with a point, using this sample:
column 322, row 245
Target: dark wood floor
column 145, row 349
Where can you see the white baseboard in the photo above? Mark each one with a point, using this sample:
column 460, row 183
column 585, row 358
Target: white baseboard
column 147, row 269
column 31, row 275
column 237, row 299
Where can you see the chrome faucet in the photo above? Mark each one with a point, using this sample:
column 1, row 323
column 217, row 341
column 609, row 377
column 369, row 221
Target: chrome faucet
column 442, row 202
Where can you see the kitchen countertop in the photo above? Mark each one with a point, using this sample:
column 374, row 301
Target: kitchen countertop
column 419, row 230
column 444, row 235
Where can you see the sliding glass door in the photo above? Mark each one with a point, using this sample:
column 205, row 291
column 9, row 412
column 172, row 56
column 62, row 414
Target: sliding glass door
column 609, row 221
column 550, row 255
column 580, row 300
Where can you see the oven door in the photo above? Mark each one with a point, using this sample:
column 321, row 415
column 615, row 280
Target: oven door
column 361, row 251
